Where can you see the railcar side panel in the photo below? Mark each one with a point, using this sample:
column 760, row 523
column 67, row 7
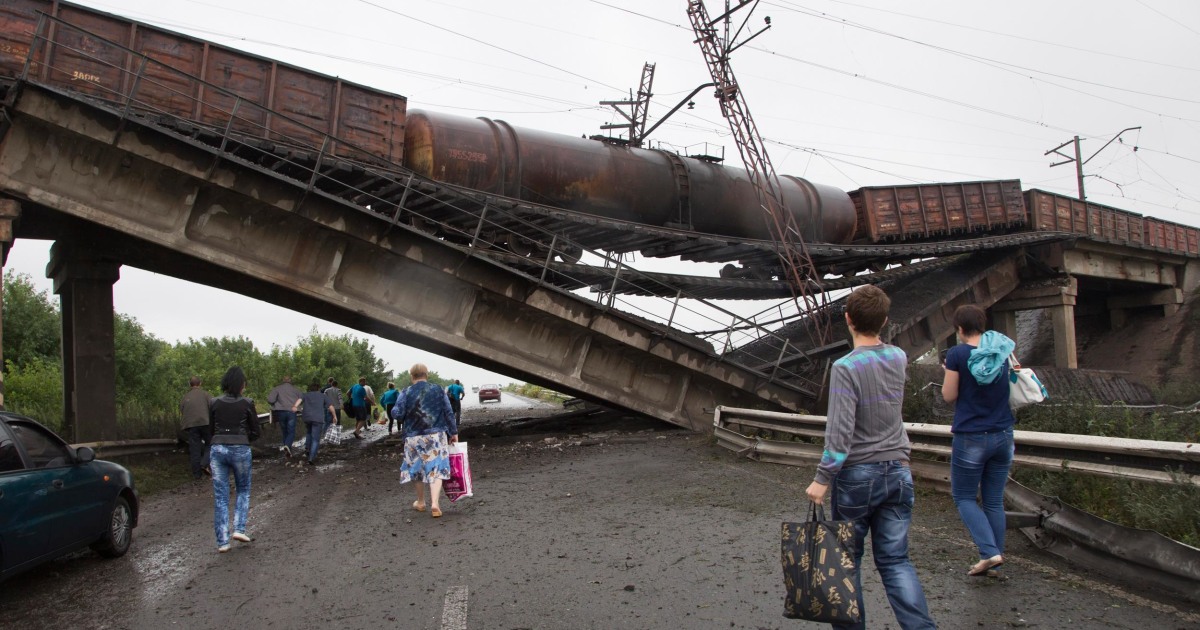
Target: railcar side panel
column 1059, row 213
column 920, row 211
column 307, row 104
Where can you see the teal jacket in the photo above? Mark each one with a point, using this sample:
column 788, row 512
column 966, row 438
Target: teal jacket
column 986, row 361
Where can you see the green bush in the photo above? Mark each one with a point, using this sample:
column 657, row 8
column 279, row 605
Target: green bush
column 35, row 390
column 537, row 392
column 1172, row 510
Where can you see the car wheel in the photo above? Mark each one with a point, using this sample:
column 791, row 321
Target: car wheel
column 119, row 534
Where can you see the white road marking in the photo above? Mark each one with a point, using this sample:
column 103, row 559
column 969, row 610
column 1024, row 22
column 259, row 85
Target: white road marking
column 454, row 611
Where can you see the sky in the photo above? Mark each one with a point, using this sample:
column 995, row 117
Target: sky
column 844, row 93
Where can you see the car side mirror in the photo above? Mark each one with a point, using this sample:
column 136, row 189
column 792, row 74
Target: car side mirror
column 84, row 454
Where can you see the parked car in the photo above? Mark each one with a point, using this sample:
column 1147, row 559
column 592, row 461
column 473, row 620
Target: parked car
column 55, row 499
column 489, row 392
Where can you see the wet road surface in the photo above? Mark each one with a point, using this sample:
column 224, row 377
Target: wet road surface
column 612, row 530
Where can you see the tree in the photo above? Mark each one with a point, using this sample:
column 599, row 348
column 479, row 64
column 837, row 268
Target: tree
column 32, row 324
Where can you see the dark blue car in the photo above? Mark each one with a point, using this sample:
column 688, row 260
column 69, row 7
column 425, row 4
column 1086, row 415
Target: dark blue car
column 55, row 499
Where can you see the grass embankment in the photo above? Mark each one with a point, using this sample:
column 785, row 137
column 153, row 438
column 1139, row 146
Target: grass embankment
column 1172, row 510
column 540, row 393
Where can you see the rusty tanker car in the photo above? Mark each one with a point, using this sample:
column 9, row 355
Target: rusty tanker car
column 203, row 82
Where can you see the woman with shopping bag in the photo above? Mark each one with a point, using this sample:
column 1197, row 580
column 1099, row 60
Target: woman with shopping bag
column 429, row 429
column 977, row 382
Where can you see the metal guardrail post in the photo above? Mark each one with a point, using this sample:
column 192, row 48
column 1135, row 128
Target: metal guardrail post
column 674, row 307
column 133, row 88
column 224, row 139
column 33, row 45
column 479, row 226
column 549, row 258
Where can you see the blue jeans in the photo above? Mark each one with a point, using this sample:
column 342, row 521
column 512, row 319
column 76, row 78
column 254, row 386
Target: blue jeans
column 879, row 497
column 312, row 440
column 979, row 463
column 224, row 459
column 287, row 425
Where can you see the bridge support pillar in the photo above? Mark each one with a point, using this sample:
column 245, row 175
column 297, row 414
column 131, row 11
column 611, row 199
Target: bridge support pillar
column 10, row 210
column 1005, row 323
column 84, row 283
column 1059, row 297
column 1063, row 318
column 1190, row 276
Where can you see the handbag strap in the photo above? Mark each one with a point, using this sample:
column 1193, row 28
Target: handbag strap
column 816, row 511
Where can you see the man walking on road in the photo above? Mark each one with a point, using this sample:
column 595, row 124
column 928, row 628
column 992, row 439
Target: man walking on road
column 456, row 393
column 358, row 405
column 193, row 410
column 865, row 462
column 386, row 401
column 282, row 399
column 315, row 408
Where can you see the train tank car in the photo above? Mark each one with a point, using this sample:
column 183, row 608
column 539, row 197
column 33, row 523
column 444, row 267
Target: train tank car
column 646, row 186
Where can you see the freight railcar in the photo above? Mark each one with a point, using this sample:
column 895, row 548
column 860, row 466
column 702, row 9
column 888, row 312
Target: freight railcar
column 929, row 211
column 645, row 186
column 100, row 58
column 1055, row 212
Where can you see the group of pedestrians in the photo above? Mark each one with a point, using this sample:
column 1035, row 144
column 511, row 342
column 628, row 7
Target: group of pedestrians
column 865, row 465
column 219, row 432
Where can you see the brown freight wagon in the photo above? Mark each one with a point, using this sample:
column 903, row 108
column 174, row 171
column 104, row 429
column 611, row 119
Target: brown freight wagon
column 101, row 55
column 919, row 211
column 1059, row 213
column 1172, row 237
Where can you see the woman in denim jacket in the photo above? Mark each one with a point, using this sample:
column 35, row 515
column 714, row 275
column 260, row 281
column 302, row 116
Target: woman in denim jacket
column 233, row 424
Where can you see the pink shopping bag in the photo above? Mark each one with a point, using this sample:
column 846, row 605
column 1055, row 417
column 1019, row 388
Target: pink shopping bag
column 458, row 485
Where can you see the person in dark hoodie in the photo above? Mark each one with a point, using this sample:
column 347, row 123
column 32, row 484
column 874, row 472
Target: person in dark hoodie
column 233, row 424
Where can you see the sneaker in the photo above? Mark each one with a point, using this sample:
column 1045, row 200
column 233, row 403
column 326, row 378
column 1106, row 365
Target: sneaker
column 222, row 548
column 287, row 451
column 240, row 537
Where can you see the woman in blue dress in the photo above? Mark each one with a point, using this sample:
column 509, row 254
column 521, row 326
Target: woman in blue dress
column 429, row 429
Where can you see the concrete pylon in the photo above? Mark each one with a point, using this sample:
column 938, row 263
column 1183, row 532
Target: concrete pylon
column 10, row 211
column 84, row 281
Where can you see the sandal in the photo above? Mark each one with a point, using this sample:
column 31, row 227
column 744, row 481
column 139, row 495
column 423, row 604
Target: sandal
column 418, row 506
column 981, row 568
column 436, row 513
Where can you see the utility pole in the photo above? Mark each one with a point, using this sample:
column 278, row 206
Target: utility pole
column 798, row 268
column 639, row 108
column 1080, row 162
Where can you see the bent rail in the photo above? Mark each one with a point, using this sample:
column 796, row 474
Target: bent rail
column 1088, row 540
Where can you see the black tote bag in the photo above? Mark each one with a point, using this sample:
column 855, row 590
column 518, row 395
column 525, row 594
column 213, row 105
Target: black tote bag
column 818, row 569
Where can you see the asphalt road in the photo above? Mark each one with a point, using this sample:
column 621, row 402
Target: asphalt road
column 610, row 530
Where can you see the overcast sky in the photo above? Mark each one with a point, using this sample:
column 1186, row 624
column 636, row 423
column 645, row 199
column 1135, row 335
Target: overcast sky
column 846, row 93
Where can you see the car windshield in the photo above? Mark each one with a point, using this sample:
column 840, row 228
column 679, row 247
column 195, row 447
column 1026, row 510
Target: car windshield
column 488, row 387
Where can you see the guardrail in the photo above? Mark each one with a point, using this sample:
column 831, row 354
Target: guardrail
column 1088, row 540
column 122, row 448
column 1138, row 460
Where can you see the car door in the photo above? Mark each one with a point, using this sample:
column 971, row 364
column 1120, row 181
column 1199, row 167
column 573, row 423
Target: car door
column 24, row 493
column 73, row 501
